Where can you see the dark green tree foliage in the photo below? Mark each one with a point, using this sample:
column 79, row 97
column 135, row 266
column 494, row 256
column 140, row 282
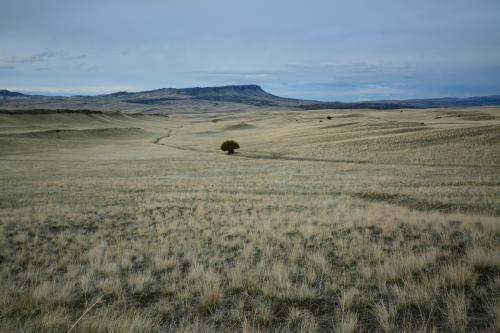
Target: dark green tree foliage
column 229, row 146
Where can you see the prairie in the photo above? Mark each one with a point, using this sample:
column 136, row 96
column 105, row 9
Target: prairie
column 369, row 221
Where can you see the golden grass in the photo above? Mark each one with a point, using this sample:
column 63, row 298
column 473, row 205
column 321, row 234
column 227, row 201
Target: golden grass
column 457, row 312
column 290, row 234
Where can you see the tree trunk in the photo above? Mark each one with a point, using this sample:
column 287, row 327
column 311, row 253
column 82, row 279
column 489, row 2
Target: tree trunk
column 230, row 151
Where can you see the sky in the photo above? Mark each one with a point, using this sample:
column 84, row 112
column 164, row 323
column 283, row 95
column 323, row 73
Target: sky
column 314, row 49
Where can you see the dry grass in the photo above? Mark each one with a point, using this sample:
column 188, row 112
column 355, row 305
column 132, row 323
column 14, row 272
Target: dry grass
column 457, row 312
column 281, row 237
column 459, row 275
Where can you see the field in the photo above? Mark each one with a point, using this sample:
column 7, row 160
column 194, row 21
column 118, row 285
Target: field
column 369, row 221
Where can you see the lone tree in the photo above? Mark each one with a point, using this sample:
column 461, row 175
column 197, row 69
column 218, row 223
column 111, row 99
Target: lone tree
column 229, row 146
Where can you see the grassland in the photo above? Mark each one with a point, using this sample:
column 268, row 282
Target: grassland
column 369, row 221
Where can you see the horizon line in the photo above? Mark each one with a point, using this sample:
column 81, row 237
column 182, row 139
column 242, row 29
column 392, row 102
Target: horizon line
column 59, row 92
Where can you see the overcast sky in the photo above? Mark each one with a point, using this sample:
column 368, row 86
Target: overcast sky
column 328, row 50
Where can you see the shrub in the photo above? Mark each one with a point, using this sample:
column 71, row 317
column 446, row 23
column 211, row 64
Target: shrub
column 229, row 146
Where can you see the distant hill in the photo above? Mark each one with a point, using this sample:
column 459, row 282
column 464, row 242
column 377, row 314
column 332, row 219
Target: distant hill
column 412, row 103
column 215, row 99
column 447, row 102
column 8, row 93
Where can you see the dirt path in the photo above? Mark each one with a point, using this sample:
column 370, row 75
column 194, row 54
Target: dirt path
column 157, row 140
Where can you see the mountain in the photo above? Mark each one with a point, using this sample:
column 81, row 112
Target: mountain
column 165, row 100
column 214, row 99
column 245, row 94
column 8, row 93
column 241, row 91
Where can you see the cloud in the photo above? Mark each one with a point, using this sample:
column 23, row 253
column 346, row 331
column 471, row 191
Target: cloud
column 78, row 66
column 347, row 92
column 241, row 74
column 40, row 57
column 323, row 80
column 243, row 71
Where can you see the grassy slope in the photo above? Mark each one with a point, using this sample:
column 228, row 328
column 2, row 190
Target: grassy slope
column 311, row 226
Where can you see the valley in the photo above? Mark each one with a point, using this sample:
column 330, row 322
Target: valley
column 358, row 220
